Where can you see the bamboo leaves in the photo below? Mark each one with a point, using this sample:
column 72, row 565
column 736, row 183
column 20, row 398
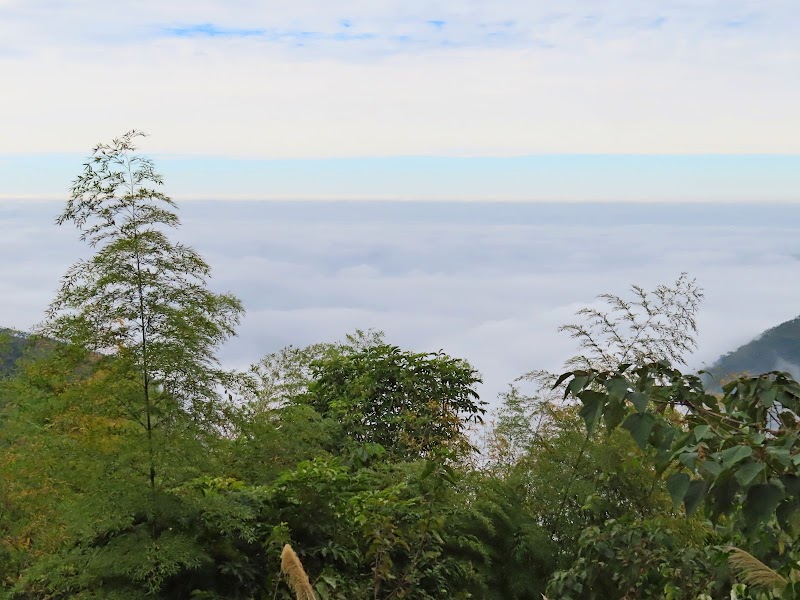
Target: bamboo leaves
column 142, row 296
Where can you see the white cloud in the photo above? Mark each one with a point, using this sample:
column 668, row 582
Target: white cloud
column 485, row 283
column 501, row 78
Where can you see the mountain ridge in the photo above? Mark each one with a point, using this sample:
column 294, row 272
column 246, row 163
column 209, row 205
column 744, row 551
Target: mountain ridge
column 775, row 349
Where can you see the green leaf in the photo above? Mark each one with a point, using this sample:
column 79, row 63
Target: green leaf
column 617, row 387
column 639, row 400
column 761, row 502
column 792, row 591
column 681, row 441
column 782, row 455
column 593, row 404
column 733, row 455
column 788, row 420
column 721, row 497
column 787, row 513
column 711, row 467
column 662, row 436
column 321, row 588
column 614, row 413
column 700, row 432
column 694, row 495
column 677, row 486
column 688, row 459
column 791, row 483
column 640, row 425
column 561, row 379
column 767, row 397
column 748, row 471
column 578, row 382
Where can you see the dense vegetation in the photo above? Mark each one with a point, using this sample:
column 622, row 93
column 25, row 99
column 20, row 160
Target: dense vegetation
column 133, row 466
column 12, row 347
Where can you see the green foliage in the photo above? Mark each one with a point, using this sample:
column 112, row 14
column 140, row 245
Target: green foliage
column 413, row 405
column 285, row 375
column 136, row 333
column 651, row 558
column 364, row 527
column 733, row 455
column 74, row 481
column 509, row 549
column 13, row 345
column 141, row 295
column 737, row 449
column 651, row 326
column 359, row 532
column 648, row 326
column 551, row 489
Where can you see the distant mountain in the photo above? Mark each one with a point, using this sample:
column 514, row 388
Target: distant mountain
column 12, row 346
column 777, row 349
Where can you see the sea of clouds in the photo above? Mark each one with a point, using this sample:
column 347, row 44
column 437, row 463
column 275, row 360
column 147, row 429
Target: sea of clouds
column 487, row 282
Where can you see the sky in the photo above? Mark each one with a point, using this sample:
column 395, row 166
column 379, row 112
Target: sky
column 402, row 99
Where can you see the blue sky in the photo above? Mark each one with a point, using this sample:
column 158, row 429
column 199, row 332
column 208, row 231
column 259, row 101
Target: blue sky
column 568, row 177
column 392, row 92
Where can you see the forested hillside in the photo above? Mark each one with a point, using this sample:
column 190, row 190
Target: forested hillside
column 133, row 466
column 12, row 347
column 777, row 349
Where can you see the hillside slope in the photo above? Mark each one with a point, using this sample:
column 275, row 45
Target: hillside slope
column 12, row 346
column 777, row 349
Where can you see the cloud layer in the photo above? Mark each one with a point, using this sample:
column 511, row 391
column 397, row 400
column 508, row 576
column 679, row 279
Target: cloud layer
column 357, row 78
column 490, row 283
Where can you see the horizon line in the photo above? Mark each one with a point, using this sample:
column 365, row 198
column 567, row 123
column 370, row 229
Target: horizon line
column 441, row 199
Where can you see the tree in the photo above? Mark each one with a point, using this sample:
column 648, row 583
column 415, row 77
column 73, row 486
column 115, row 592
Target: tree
column 140, row 330
column 411, row 404
column 652, row 326
column 275, row 428
column 12, row 346
column 568, row 481
column 282, row 376
column 550, row 495
column 142, row 296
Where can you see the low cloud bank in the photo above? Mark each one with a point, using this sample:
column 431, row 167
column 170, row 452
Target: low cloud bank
column 488, row 283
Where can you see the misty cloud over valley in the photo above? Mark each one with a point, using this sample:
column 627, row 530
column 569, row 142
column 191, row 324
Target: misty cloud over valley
column 487, row 282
